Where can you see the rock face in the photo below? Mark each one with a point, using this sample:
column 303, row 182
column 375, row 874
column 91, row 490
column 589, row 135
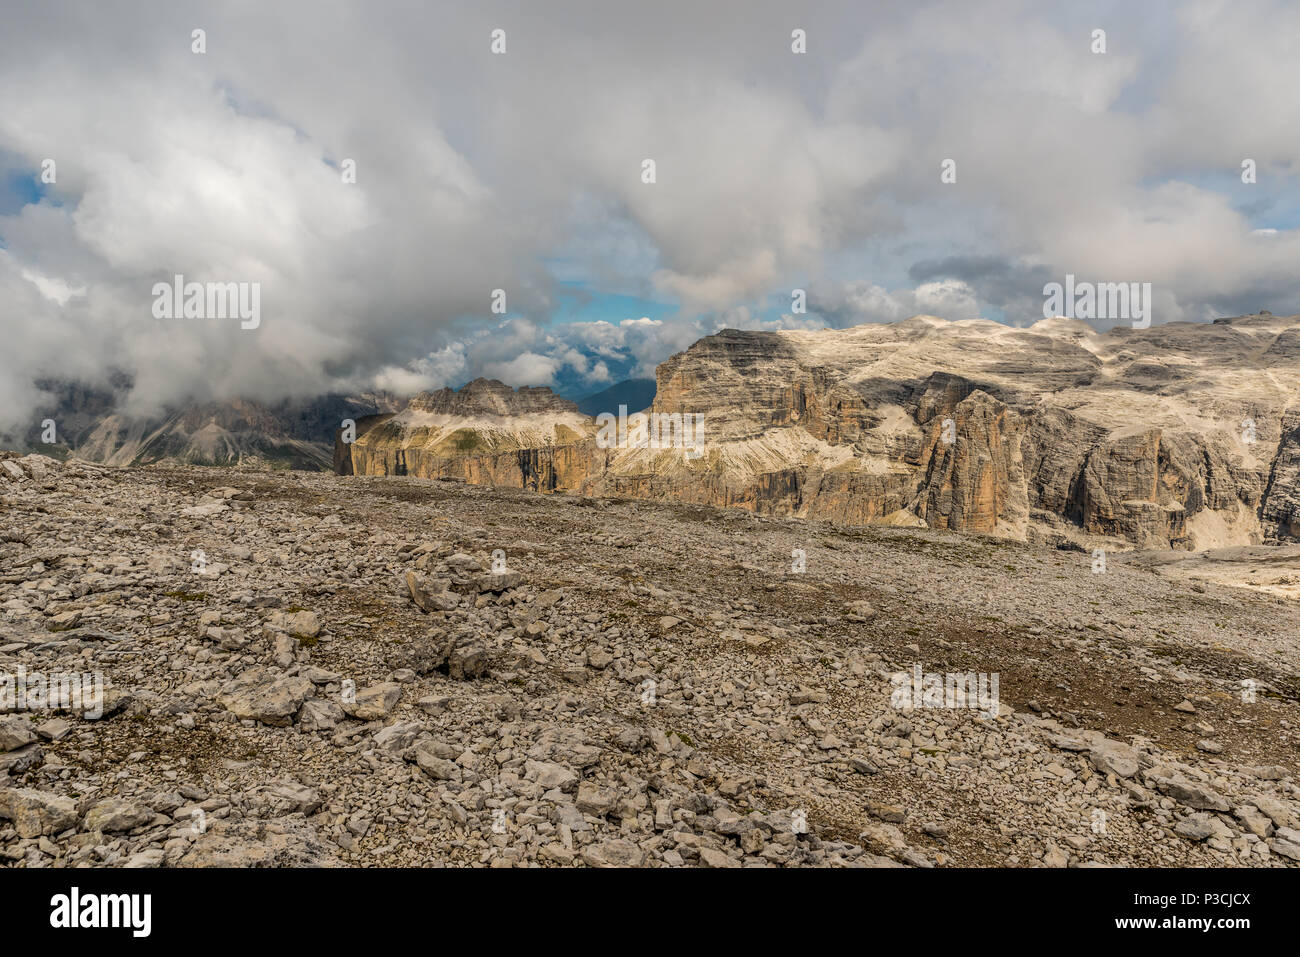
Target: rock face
column 486, row 434
column 1184, row 435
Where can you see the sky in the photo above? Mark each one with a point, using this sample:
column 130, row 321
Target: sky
column 522, row 171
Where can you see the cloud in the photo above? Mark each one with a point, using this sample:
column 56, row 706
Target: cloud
column 859, row 301
column 478, row 172
column 528, row 368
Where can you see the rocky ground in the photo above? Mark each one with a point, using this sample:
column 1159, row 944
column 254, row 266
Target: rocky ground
column 346, row 676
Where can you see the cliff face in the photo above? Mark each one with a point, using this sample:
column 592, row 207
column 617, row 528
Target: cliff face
column 487, row 434
column 1183, row 435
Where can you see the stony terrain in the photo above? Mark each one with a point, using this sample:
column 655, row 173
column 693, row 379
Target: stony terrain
column 1184, row 435
column 349, row 676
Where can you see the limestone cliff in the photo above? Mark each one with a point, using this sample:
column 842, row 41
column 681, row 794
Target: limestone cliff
column 1184, row 435
column 487, row 433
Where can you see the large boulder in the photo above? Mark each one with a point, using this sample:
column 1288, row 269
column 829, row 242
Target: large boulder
column 116, row 814
column 265, row 695
column 37, row 813
column 15, row 732
column 374, row 702
column 251, row 842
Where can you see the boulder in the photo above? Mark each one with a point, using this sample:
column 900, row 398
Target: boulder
column 264, row 695
column 37, row 813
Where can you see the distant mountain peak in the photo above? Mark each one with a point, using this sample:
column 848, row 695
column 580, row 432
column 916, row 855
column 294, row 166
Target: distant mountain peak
column 636, row 394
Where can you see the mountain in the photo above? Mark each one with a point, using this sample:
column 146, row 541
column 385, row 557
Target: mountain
column 1185, row 435
column 636, row 394
column 292, row 434
column 485, row 433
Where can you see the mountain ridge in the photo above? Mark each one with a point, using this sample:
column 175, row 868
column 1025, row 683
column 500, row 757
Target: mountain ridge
column 1185, row 435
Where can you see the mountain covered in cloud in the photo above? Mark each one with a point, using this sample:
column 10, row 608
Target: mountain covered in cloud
column 1184, row 435
column 88, row 424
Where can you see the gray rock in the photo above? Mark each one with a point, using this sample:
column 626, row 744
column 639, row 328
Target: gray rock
column 440, row 769
column 266, row 696
column 1255, row 820
column 258, row 843
column 374, row 702
column 1114, row 757
column 35, row 813
column 1195, row 827
column 301, row 624
column 117, row 814
column 319, row 714
column 398, row 737
column 430, row 594
column 499, row 581
column 15, row 732
column 290, row 797
column 613, row 854
column 710, row 857
column 550, row 775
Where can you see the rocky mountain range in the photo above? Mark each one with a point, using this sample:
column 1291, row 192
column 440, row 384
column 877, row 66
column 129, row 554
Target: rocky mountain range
column 1181, row 436
column 1184, row 436
column 90, row 424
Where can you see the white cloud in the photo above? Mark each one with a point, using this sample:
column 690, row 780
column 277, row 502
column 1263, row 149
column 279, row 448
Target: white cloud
column 949, row 298
column 529, row 368
column 55, row 290
column 477, row 172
